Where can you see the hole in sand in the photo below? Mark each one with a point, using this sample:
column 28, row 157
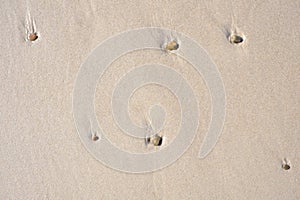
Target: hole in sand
column 33, row 37
column 148, row 140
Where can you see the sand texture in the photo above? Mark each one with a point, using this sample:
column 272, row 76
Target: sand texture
column 43, row 46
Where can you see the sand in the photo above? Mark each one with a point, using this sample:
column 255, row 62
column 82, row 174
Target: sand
column 42, row 155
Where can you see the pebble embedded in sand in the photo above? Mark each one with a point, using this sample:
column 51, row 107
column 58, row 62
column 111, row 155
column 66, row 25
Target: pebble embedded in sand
column 236, row 38
column 171, row 46
column 156, row 140
column 33, row 37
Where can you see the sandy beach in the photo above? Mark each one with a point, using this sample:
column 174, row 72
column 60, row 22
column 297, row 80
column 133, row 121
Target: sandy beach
column 49, row 146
